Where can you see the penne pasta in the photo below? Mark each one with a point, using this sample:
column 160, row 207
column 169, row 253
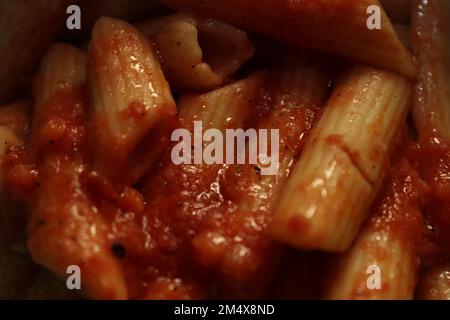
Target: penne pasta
column 223, row 108
column 8, row 139
column 290, row 95
column 397, row 264
column 49, row 82
column 398, row 10
column 431, row 114
column 197, row 53
column 128, row 89
column 319, row 26
column 335, row 180
column 290, row 98
column 157, row 142
column 58, row 136
column 151, row 149
column 197, row 200
column 383, row 262
column 431, row 31
column 12, row 134
column 16, row 116
column 225, row 149
column 297, row 88
column 27, row 27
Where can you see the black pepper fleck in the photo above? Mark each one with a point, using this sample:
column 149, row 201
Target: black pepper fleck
column 118, row 250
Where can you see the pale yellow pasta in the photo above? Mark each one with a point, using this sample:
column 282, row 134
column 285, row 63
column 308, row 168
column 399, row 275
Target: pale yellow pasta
column 384, row 260
column 379, row 266
column 344, row 161
column 224, row 108
column 16, row 116
column 61, row 71
column 219, row 109
column 128, row 89
column 13, row 125
column 90, row 182
column 8, row 139
column 431, row 47
column 298, row 83
column 197, row 53
column 68, row 217
column 309, row 24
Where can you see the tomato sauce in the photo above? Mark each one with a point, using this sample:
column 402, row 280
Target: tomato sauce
column 180, row 233
column 414, row 203
column 432, row 155
column 195, row 241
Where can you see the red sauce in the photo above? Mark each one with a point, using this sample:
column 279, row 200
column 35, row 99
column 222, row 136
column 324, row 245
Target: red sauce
column 58, row 130
column 194, row 238
column 432, row 156
column 397, row 208
column 415, row 199
column 181, row 234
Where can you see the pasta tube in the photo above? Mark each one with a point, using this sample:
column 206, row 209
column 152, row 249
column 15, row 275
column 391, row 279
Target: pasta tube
column 375, row 252
column 13, row 128
column 335, row 180
column 65, row 230
column 223, row 108
column 8, row 139
column 383, row 262
column 193, row 188
column 128, row 89
column 212, row 109
column 318, row 25
column 16, row 116
column 197, row 53
column 288, row 98
column 297, row 88
column 431, row 31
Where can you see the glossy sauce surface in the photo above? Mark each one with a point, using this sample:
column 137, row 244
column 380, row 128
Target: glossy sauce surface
column 182, row 235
